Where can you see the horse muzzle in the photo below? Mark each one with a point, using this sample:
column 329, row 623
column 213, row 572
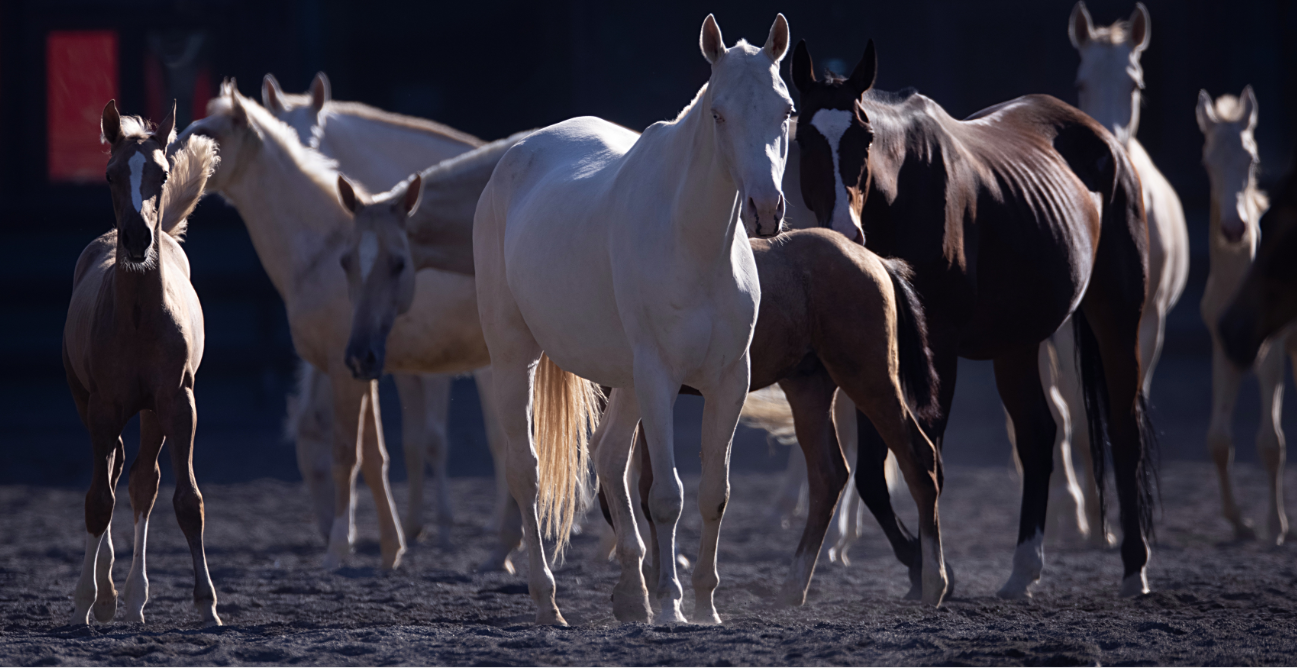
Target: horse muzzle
column 767, row 216
column 365, row 362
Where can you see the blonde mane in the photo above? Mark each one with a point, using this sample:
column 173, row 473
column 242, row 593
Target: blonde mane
column 284, row 143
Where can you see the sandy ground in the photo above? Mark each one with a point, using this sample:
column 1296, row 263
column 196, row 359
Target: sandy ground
column 1214, row 602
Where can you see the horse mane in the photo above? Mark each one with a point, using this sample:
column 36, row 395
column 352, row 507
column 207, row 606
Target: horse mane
column 1117, row 33
column 366, row 112
column 1228, row 108
column 285, row 144
column 192, row 162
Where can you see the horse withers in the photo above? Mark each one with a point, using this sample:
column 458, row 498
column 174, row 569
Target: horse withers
column 1013, row 220
column 132, row 344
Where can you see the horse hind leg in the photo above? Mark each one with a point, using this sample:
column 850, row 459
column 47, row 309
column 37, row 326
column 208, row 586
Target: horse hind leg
column 144, row 478
column 180, row 419
column 615, row 439
column 437, row 397
column 413, row 442
column 1270, row 437
column 1017, row 375
column 811, row 400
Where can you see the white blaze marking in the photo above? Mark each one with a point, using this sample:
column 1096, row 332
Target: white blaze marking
column 137, row 174
column 833, row 123
column 368, row 253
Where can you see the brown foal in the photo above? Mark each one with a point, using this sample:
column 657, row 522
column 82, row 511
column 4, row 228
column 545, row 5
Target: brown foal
column 132, row 344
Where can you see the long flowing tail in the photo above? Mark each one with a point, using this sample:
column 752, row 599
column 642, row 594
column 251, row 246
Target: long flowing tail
column 566, row 411
column 1095, row 390
column 768, row 409
column 918, row 376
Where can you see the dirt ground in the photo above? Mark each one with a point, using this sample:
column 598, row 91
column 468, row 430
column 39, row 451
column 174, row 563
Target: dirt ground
column 1214, row 602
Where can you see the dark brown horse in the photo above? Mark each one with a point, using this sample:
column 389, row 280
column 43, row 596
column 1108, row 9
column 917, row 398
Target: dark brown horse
column 1012, row 220
column 1267, row 300
column 132, row 344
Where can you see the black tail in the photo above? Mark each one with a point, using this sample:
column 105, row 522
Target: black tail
column 918, row 376
column 1095, row 389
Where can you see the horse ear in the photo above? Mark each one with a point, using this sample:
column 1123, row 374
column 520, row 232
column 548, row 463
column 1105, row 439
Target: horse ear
column 1248, row 100
column 1139, row 27
column 710, row 41
column 413, row 194
column 1080, row 27
column 1206, row 112
column 803, row 68
column 347, row 195
column 321, row 91
column 862, row 78
column 167, row 129
column 229, row 87
column 111, row 123
column 272, row 96
column 777, row 43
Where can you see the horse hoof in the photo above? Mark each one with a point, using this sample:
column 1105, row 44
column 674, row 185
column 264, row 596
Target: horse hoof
column 207, row 609
column 1016, row 589
column 707, row 618
column 1134, row 585
column 671, row 614
column 550, row 618
column 627, row 610
column 134, row 616
column 391, row 561
column 494, row 563
column 105, row 610
column 914, row 594
column 414, row 533
column 1244, row 532
column 950, row 580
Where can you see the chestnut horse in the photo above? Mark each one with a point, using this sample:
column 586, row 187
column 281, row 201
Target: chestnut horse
column 1013, row 220
column 132, row 344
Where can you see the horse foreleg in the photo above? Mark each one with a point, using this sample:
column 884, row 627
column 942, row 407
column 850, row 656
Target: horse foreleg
column 144, row 478
column 1017, row 375
column 1270, row 439
column 409, row 388
column 347, row 407
column 436, row 396
column 721, row 409
column 657, row 393
column 374, row 464
column 811, row 399
column 1225, row 381
column 179, row 418
column 95, row 587
column 614, row 442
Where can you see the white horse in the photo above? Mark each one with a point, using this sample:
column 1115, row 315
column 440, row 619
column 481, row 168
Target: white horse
column 286, row 195
column 1109, row 84
column 1230, row 156
column 378, row 149
column 622, row 258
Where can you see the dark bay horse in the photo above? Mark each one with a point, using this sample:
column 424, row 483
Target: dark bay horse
column 132, row 344
column 1012, row 220
column 1267, row 300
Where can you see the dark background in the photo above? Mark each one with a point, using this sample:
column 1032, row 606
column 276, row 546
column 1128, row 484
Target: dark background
column 492, row 68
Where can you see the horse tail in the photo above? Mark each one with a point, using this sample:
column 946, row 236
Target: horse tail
column 918, row 375
column 192, row 162
column 767, row 409
column 566, row 411
column 1095, row 390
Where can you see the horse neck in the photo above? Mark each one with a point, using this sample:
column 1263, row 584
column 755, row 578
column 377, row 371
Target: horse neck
column 291, row 217
column 378, row 153
column 1220, row 252
column 705, row 213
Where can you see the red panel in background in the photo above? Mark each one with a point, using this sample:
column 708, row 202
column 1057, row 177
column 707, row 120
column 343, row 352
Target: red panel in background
column 80, row 78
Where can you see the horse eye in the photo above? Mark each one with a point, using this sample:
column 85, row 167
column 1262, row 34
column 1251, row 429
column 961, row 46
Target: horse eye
column 345, row 261
column 717, row 117
column 398, row 265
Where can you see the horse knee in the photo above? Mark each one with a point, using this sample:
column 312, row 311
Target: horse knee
column 188, row 503
column 711, row 505
column 666, row 502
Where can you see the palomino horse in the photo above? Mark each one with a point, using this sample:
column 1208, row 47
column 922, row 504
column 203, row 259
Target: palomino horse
column 1110, row 82
column 637, row 276
column 803, row 339
column 1230, row 157
column 286, row 195
column 132, row 344
column 1014, row 219
column 378, row 149
column 425, row 222
column 1267, row 300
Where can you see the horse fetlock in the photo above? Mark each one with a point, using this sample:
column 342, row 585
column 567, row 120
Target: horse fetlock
column 136, row 596
column 392, row 556
column 206, row 608
column 105, row 606
column 630, row 602
column 670, row 612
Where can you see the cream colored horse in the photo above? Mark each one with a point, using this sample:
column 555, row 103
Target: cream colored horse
column 1230, row 156
column 378, row 149
column 286, row 195
column 1109, row 84
column 620, row 259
